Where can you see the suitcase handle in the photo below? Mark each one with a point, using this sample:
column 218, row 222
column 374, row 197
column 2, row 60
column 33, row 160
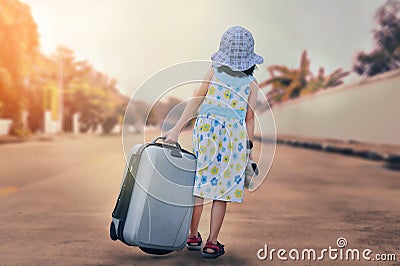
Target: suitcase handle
column 163, row 138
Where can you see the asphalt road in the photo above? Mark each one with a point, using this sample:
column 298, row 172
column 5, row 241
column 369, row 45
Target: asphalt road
column 56, row 200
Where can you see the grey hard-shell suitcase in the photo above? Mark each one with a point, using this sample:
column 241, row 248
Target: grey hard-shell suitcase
column 154, row 206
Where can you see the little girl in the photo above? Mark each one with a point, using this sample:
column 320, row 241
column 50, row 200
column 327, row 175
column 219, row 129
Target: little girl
column 223, row 128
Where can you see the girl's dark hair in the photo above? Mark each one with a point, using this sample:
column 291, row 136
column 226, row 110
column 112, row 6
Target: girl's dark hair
column 229, row 71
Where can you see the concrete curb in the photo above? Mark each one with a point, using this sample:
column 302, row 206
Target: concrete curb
column 11, row 139
column 7, row 139
column 367, row 151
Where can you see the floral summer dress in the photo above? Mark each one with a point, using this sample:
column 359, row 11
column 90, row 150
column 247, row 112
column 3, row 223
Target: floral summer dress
column 219, row 139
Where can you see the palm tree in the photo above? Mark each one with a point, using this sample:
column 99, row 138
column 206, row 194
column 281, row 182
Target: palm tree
column 386, row 54
column 324, row 82
column 335, row 78
column 287, row 83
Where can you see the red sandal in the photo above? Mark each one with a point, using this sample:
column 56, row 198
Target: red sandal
column 218, row 250
column 194, row 242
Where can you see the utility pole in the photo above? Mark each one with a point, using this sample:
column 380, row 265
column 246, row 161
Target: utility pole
column 60, row 94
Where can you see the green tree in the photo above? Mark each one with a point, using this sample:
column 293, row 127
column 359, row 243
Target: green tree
column 138, row 112
column 86, row 91
column 117, row 116
column 18, row 48
column 30, row 80
column 386, row 36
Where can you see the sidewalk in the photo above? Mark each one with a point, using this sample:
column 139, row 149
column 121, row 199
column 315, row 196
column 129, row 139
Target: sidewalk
column 390, row 154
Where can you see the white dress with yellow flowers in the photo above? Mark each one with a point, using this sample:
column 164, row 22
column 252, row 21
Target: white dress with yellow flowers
column 219, row 139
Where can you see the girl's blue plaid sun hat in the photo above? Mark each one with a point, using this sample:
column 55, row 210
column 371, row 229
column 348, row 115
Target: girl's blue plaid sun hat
column 236, row 50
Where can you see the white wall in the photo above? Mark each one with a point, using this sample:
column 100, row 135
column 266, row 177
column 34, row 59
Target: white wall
column 5, row 126
column 50, row 126
column 368, row 111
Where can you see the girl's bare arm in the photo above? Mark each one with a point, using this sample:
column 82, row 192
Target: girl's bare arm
column 250, row 110
column 190, row 109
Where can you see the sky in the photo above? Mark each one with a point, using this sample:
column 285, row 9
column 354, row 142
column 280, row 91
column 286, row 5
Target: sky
column 131, row 40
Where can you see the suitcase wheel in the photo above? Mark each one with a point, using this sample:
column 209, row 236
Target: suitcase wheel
column 113, row 232
column 156, row 251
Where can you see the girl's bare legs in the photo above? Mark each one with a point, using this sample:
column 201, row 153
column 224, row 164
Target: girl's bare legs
column 217, row 217
column 197, row 210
